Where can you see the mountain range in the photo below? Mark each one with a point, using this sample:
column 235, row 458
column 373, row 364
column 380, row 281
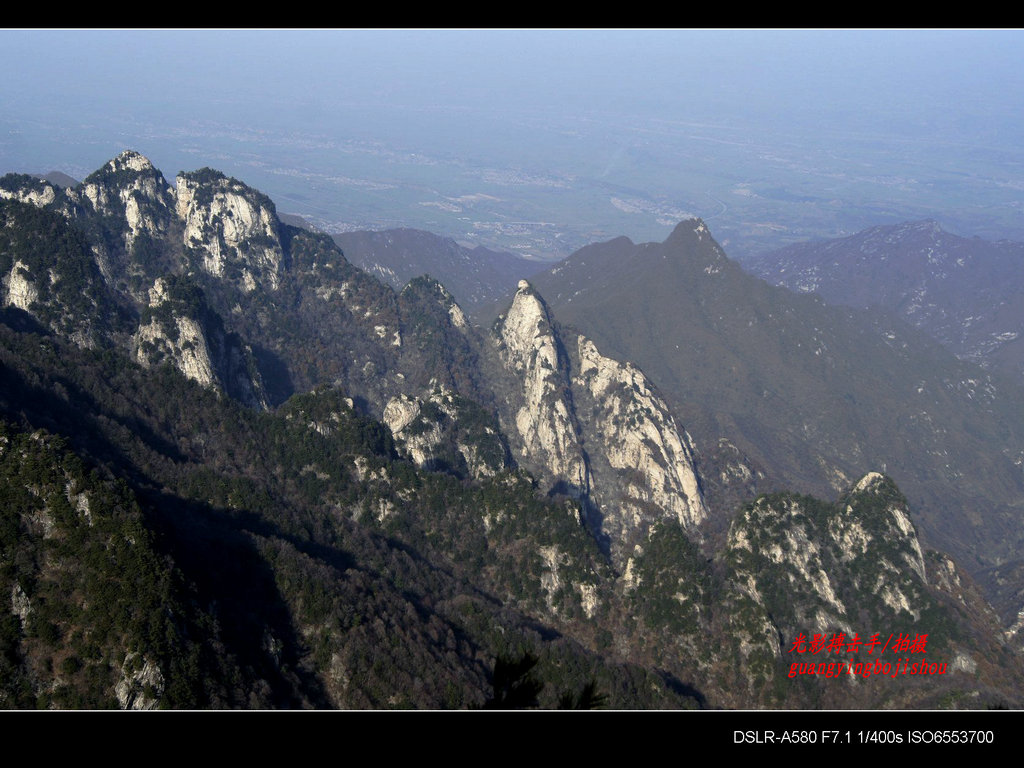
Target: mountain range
column 239, row 471
column 813, row 395
column 964, row 292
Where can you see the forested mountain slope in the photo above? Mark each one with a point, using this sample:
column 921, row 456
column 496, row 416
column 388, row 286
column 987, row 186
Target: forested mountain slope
column 241, row 472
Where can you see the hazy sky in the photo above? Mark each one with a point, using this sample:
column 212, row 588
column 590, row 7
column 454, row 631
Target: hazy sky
column 446, row 92
column 912, row 76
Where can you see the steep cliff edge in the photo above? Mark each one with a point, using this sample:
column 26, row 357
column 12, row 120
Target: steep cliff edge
column 231, row 230
column 544, row 421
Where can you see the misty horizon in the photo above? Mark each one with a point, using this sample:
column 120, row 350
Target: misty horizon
column 539, row 141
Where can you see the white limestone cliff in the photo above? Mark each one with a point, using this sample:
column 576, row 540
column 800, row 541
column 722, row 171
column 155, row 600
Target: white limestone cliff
column 845, row 561
column 196, row 344
column 780, row 532
column 424, row 433
column 900, row 526
column 136, row 189
column 638, row 435
column 420, row 445
column 230, row 225
column 189, row 352
column 544, row 420
column 37, row 197
column 21, row 290
column 184, row 345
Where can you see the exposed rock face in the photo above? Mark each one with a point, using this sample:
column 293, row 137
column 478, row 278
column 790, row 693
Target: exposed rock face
column 544, row 421
column 130, row 187
column 866, row 542
column 780, row 533
column 603, row 433
column 856, row 565
column 48, row 270
column 21, row 290
column 127, row 199
column 896, row 527
column 583, row 423
column 443, row 429
column 550, row 580
column 399, row 413
column 132, row 201
column 639, row 437
column 40, row 193
column 181, row 341
column 419, row 443
column 457, row 316
column 180, row 329
column 186, row 347
column 33, row 192
column 232, row 228
column 141, row 684
column 21, row 605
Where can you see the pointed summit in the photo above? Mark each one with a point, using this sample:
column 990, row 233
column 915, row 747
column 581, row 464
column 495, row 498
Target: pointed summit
column 688, row 229
column 694, row 224
column 128, row 169
column 525, row 290
column 134, row 202
column 527, row 315
column 231, row 229
column 526, row 329
column 870, row 482
column 529, row 347
column 130, row 160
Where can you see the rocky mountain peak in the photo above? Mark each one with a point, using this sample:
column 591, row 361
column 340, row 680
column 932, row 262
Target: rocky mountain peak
column 131, row 160
column 688, row 230
column 433, row 521
column 122, row 171
column 526, row 331
column 132, row 196
column 858, row 557
column 651, row 456
column 872, row 481
column 692, row 244
column 877, row 508
column 530, row 348
column 230, row 228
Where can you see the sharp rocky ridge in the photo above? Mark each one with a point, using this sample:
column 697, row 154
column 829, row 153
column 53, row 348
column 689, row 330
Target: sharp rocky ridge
column 226, row 255
column 560, row 480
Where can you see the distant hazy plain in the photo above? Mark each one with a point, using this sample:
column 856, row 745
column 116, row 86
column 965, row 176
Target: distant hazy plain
column 540, row 141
